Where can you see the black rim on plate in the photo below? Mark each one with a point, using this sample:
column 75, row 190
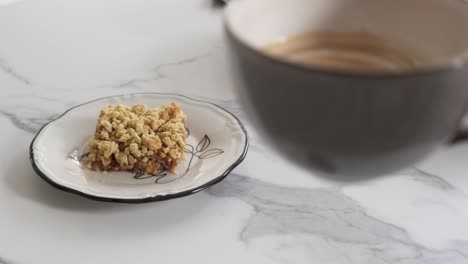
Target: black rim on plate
column 147, row 199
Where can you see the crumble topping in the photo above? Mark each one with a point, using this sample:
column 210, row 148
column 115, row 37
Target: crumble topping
column 138, row 138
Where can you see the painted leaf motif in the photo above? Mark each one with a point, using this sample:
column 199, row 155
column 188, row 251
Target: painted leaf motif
column 201, row 151
column 203, row 144
column 164, row 179
column 188, row 149
column 211, row 153
column 160, row 176
column 141, row 176
column 83, row 156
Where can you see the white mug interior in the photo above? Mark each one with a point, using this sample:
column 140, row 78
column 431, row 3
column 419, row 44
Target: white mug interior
column 436, row 28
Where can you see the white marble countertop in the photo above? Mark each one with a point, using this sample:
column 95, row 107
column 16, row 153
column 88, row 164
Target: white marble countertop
column 55, row 54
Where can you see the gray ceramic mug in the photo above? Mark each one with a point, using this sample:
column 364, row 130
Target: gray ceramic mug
column 343, row 122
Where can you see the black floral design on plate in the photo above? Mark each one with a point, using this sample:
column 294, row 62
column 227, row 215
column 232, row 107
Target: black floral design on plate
column 200, row 151
column 160, row 176
column 84, row 156
column 75, row 157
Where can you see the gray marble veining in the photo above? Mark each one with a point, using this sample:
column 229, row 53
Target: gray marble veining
column 133, row 83
column 158, row 72
column 332, row 217
column 9, row 70
column 28, row 124
column 159, row 69
column 429, row 179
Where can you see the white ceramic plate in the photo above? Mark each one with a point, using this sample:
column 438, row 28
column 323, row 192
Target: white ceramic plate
column 217, row 143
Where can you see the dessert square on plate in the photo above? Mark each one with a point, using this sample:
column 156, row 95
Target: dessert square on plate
column 138, row 138
column 216, row 142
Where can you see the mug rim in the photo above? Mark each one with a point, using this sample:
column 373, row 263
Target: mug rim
column 451, row 65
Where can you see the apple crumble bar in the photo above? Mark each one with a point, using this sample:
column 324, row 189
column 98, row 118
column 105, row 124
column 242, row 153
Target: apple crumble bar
column 138, row 138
